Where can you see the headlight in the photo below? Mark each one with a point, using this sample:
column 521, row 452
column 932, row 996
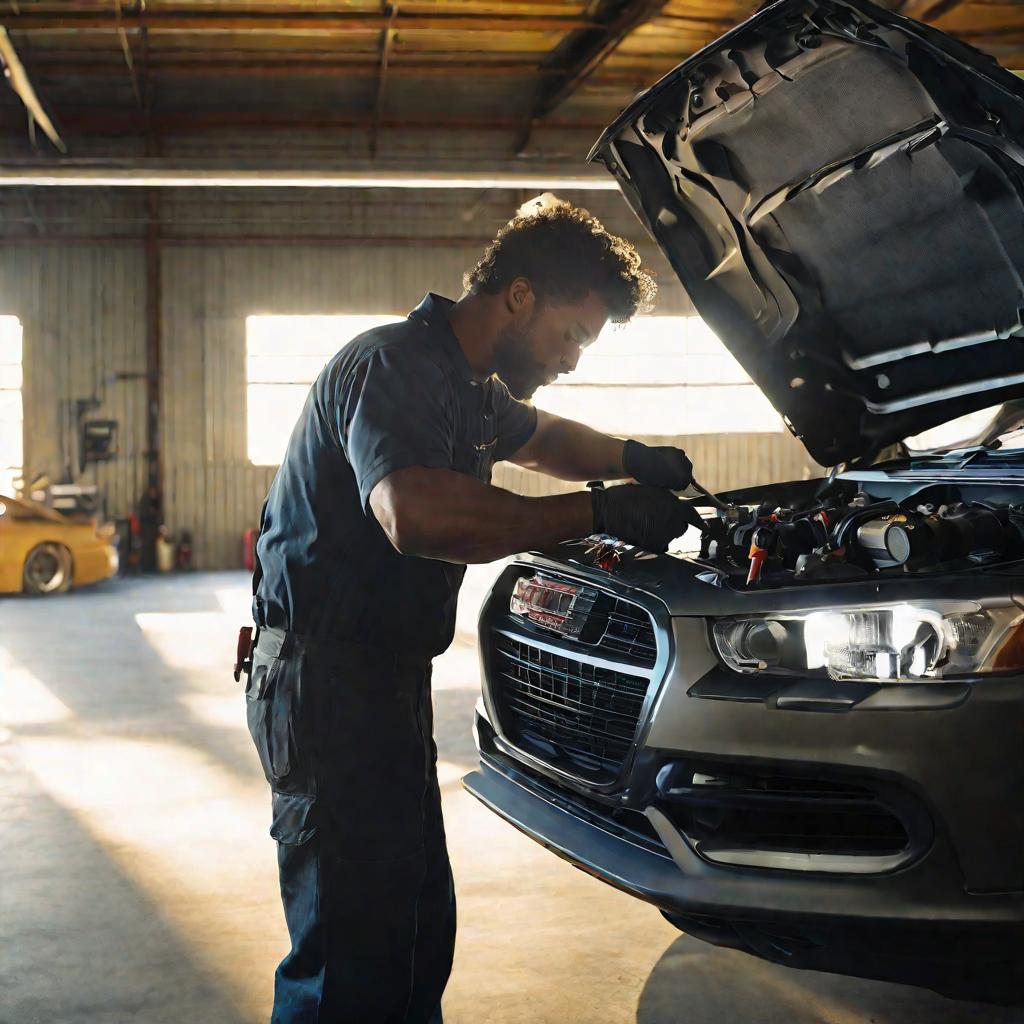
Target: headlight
column 885, row 643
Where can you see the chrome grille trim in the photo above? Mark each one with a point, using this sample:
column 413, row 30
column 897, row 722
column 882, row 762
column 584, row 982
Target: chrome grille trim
column 573, row 706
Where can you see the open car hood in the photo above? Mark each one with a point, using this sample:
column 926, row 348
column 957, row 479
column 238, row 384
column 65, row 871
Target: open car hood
column 840, row 192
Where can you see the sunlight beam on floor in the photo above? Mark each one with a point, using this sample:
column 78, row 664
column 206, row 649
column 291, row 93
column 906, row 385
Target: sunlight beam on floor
column 185, row 831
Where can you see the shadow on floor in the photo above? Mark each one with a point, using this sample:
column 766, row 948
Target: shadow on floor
column 696, row 983
column 92, row 633
column 80, row 941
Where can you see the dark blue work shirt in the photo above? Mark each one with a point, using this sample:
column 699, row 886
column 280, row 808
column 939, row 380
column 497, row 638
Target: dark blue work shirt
column 396, row 396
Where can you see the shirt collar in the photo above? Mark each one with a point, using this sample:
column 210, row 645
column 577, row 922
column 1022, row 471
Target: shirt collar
column 433, row 311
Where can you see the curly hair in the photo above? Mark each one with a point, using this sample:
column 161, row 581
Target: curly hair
column 564, row 253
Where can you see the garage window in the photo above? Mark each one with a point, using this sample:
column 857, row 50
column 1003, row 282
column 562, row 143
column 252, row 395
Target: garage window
column 660, row 375
column 284, row 354
column 11, row 433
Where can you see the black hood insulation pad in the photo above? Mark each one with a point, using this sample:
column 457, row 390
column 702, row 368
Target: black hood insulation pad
column 841, row 193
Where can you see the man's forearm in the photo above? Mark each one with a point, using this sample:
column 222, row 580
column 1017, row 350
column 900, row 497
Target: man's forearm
column 572, row 451
column 456, row 518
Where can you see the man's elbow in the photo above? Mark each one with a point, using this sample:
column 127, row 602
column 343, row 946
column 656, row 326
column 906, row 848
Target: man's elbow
column 407, row 538
column 397, row 539
column 402, row 532
column 397, row 518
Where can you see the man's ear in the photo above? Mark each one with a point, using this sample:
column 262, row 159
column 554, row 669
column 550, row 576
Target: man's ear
column 519, row 297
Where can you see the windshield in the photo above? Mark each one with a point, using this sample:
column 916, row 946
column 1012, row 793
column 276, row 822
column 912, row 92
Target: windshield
column 973, row 429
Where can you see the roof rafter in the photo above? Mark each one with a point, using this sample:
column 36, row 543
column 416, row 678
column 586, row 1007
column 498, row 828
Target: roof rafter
column 365, row 65
column 386, row 39
column 130, row 122
column 16, row 74
column 126, row 49
column 297, row 21
column 581, row 53
column 927, row 10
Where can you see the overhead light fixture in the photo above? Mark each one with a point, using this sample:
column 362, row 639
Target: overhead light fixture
column 67, row 175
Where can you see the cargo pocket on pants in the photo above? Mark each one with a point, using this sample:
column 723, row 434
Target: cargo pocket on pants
column 293, row 814
column 276, row 719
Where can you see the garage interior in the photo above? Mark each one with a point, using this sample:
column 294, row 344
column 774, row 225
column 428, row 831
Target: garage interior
column 200, row 201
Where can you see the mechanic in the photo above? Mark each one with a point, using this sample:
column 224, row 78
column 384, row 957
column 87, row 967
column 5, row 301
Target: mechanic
column 382, row 498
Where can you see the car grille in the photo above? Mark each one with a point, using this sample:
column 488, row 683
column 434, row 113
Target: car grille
column 624, row 630
column 564, row 708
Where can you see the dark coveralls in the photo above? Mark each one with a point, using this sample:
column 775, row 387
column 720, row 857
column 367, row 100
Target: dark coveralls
column 338, row 700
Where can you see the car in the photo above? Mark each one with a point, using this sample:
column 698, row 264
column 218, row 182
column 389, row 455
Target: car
column 802, row 737
column 43, row 552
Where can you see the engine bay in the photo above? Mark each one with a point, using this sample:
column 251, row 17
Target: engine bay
column 845, row 533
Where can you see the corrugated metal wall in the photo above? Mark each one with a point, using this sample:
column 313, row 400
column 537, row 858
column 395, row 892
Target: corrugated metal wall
column 82, row 306
column 82, row 315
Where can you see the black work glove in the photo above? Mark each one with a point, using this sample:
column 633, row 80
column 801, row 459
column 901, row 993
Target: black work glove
column 657, row 467
column 648, row 517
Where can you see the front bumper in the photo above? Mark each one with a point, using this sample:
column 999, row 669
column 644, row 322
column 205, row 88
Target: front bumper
column 915, row 927
column 678, row 881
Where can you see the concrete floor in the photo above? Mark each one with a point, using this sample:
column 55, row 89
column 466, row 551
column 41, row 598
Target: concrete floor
column 138, row 883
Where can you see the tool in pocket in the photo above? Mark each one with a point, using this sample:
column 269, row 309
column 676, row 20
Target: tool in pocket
column 244, row 651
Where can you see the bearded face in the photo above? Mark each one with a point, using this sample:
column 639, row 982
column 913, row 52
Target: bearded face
column 517, row 365
column 546, row 342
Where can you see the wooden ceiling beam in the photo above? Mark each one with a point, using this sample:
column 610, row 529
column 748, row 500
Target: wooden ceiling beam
column 17, row 77
column 387, row 37
column 993, row 36
column 129, row 57
column 311, row 21
column 105, row 123
column 250, row 68
column 710, row 27
column 927, row 10
column 279, row 69
column 580, row 54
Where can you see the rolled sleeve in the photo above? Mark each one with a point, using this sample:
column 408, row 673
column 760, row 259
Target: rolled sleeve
column 395, row 408
column 516, row 422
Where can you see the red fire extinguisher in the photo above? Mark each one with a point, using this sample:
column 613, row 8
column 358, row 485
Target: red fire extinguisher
column 249, row 548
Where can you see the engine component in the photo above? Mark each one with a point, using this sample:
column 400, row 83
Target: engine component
column 961, row 530
column 857, row 512
column 827, row 565
column 885, row 541
column 760, row 546
column 852, row 535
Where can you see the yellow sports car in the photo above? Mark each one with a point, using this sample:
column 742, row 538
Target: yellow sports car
column 43, row 552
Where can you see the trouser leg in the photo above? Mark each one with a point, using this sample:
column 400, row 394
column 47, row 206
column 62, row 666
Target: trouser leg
column 435, row 936
column 367, row 894
column 298, row 983
column 356, row 931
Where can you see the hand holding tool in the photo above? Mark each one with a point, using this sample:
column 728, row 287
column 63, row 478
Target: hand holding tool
column 662, row 466
column 648, row 517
